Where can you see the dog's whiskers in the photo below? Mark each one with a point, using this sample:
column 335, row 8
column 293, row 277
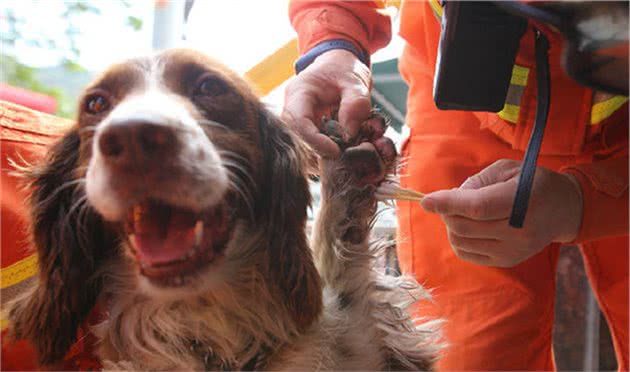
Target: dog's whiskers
column 242, row 170
column 76, row 216
column 241, row 180
column 53, row 194
column 212, row 123
column 243, row 191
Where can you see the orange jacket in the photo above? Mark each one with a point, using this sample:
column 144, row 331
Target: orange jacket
column 582, row 124
column 24, row 136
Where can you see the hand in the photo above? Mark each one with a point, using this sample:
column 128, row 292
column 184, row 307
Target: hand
column 476, row 214
column 336, row 79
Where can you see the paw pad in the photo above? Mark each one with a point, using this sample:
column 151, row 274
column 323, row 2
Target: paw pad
column 368, row 157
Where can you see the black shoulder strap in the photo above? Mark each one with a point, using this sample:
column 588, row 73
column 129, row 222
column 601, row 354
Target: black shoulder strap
column 528, row 168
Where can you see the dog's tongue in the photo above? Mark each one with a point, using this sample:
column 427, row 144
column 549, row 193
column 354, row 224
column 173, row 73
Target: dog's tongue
column 162, row 234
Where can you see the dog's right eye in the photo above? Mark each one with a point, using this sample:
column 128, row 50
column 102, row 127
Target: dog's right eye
column 96, row 104
column 210, row 86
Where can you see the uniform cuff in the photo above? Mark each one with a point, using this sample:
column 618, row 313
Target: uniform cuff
column 604, row 210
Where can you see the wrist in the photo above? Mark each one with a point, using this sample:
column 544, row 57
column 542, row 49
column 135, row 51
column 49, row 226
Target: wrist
column 335, row 44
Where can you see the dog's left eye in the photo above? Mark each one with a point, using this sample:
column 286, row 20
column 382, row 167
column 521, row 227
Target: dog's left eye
column 96, row 104
column 210, row 87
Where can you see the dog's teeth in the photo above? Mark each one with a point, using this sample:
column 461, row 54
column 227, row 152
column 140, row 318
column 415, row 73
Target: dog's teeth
column 198, row 233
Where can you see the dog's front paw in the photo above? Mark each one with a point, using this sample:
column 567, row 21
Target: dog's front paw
column 368, row 157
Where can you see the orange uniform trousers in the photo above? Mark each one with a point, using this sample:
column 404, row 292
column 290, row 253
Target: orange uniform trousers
column 496, row 319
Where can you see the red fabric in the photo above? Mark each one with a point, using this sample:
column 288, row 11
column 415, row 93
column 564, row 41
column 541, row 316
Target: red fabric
column 361, row 22
column 18, row 356
column 33, row 100
column 23, row 140
column 24, row 137
column 22, row 356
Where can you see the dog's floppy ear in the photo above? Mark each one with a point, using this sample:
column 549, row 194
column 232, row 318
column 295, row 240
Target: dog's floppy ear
column 285, row 198
column 70, row 241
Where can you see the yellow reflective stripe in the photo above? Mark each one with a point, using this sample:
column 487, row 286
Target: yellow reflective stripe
column 394, row 3
column 19, row 271
column 509, row 113
column 437, row 8
column 14, row 274
column 604, row 109
column 275, row 69
column 519, row 79
column 519, row 75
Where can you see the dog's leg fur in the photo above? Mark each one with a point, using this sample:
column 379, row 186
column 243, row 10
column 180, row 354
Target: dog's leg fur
column 345, row 258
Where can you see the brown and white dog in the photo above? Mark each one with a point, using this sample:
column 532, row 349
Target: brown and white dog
column 178, row 204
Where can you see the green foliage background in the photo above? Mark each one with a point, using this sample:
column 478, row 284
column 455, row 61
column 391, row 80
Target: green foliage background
column 16, row 73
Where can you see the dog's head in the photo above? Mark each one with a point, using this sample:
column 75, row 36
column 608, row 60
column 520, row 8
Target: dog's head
column 176, row 165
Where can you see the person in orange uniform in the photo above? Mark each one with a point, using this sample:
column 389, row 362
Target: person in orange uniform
column 493, row 284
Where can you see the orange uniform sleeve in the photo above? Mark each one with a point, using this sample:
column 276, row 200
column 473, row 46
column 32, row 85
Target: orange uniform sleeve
column 605, row 197
column 364, row 23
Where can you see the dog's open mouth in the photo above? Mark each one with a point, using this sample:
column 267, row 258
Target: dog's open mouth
column 171, row 243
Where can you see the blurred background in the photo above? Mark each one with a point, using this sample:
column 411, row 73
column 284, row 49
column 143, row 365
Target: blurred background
column 54, row 47
column 50, row 49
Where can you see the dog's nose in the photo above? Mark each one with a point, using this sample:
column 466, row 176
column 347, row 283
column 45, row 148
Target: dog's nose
column 137, row 141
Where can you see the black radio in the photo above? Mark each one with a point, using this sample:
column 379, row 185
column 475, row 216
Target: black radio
column 478, row 45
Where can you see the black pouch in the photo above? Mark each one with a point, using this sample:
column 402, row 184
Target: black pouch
column 478, row 45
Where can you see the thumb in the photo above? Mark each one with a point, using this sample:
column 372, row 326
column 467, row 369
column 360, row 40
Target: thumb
column 493, row 202
column 499, row 171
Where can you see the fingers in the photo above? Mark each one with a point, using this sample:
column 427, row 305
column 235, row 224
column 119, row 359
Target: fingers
column 481, row 242
column 499, row 171
column 488, row 195
column 487, row 252
column 473, row 257
column 468, row 228
column 492, row 202
column 479, row 251
column 334, row 79
column 321, row 143
column 299, row 112
column 476, row 214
